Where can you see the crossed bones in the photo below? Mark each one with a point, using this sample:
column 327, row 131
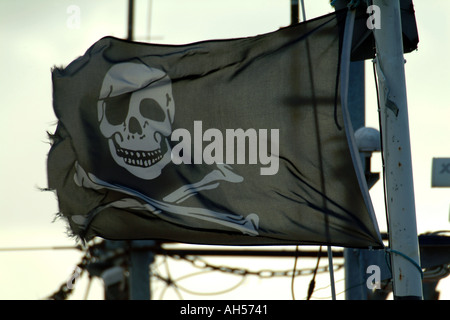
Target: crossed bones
column 247, row 225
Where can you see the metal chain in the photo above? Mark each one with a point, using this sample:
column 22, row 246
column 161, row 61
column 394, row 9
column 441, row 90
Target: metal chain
column 264, row 273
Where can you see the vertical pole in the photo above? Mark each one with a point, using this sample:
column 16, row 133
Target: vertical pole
column 303, row 11
column 130, row 19
column 405, row 261
column 294, row 12
column 140, row 261
column 354, row 269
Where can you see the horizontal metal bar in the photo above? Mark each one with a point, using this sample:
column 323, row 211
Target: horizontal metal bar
column 241, row 253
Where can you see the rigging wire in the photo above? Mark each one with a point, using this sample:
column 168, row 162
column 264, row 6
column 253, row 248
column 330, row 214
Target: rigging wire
column 170, row 282
column 86, row 294
column 381, row 147
column 333, row 297
column 40, row 248
column 293, row 273
column 93, row 252
column 312, row 283
column 329, row 285
column 303, row 10
column 235, row 286
column 296, row 247
column 331, row 271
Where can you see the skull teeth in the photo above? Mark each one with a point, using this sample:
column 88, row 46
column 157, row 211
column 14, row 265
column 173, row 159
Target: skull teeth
column 139, row 158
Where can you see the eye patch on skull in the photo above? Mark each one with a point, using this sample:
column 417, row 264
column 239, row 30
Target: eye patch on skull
column 135, row 113
column 116, row 109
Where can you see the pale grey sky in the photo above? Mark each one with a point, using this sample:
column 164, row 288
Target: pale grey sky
column 36, row 35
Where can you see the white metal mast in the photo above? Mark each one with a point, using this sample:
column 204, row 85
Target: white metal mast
column 404, row 247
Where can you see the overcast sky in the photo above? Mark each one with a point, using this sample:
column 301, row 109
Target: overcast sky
column 37, row 35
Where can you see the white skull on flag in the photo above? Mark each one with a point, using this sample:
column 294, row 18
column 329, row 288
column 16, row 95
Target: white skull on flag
column 135, row 113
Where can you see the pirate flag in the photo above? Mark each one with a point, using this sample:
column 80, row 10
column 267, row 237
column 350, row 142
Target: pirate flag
column 237, row 142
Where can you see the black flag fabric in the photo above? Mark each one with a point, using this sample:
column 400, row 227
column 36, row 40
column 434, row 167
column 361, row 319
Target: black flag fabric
column 233, row 142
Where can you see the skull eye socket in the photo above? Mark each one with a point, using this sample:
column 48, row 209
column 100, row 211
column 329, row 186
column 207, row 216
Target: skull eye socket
column 116, row 108
column 151, row 109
